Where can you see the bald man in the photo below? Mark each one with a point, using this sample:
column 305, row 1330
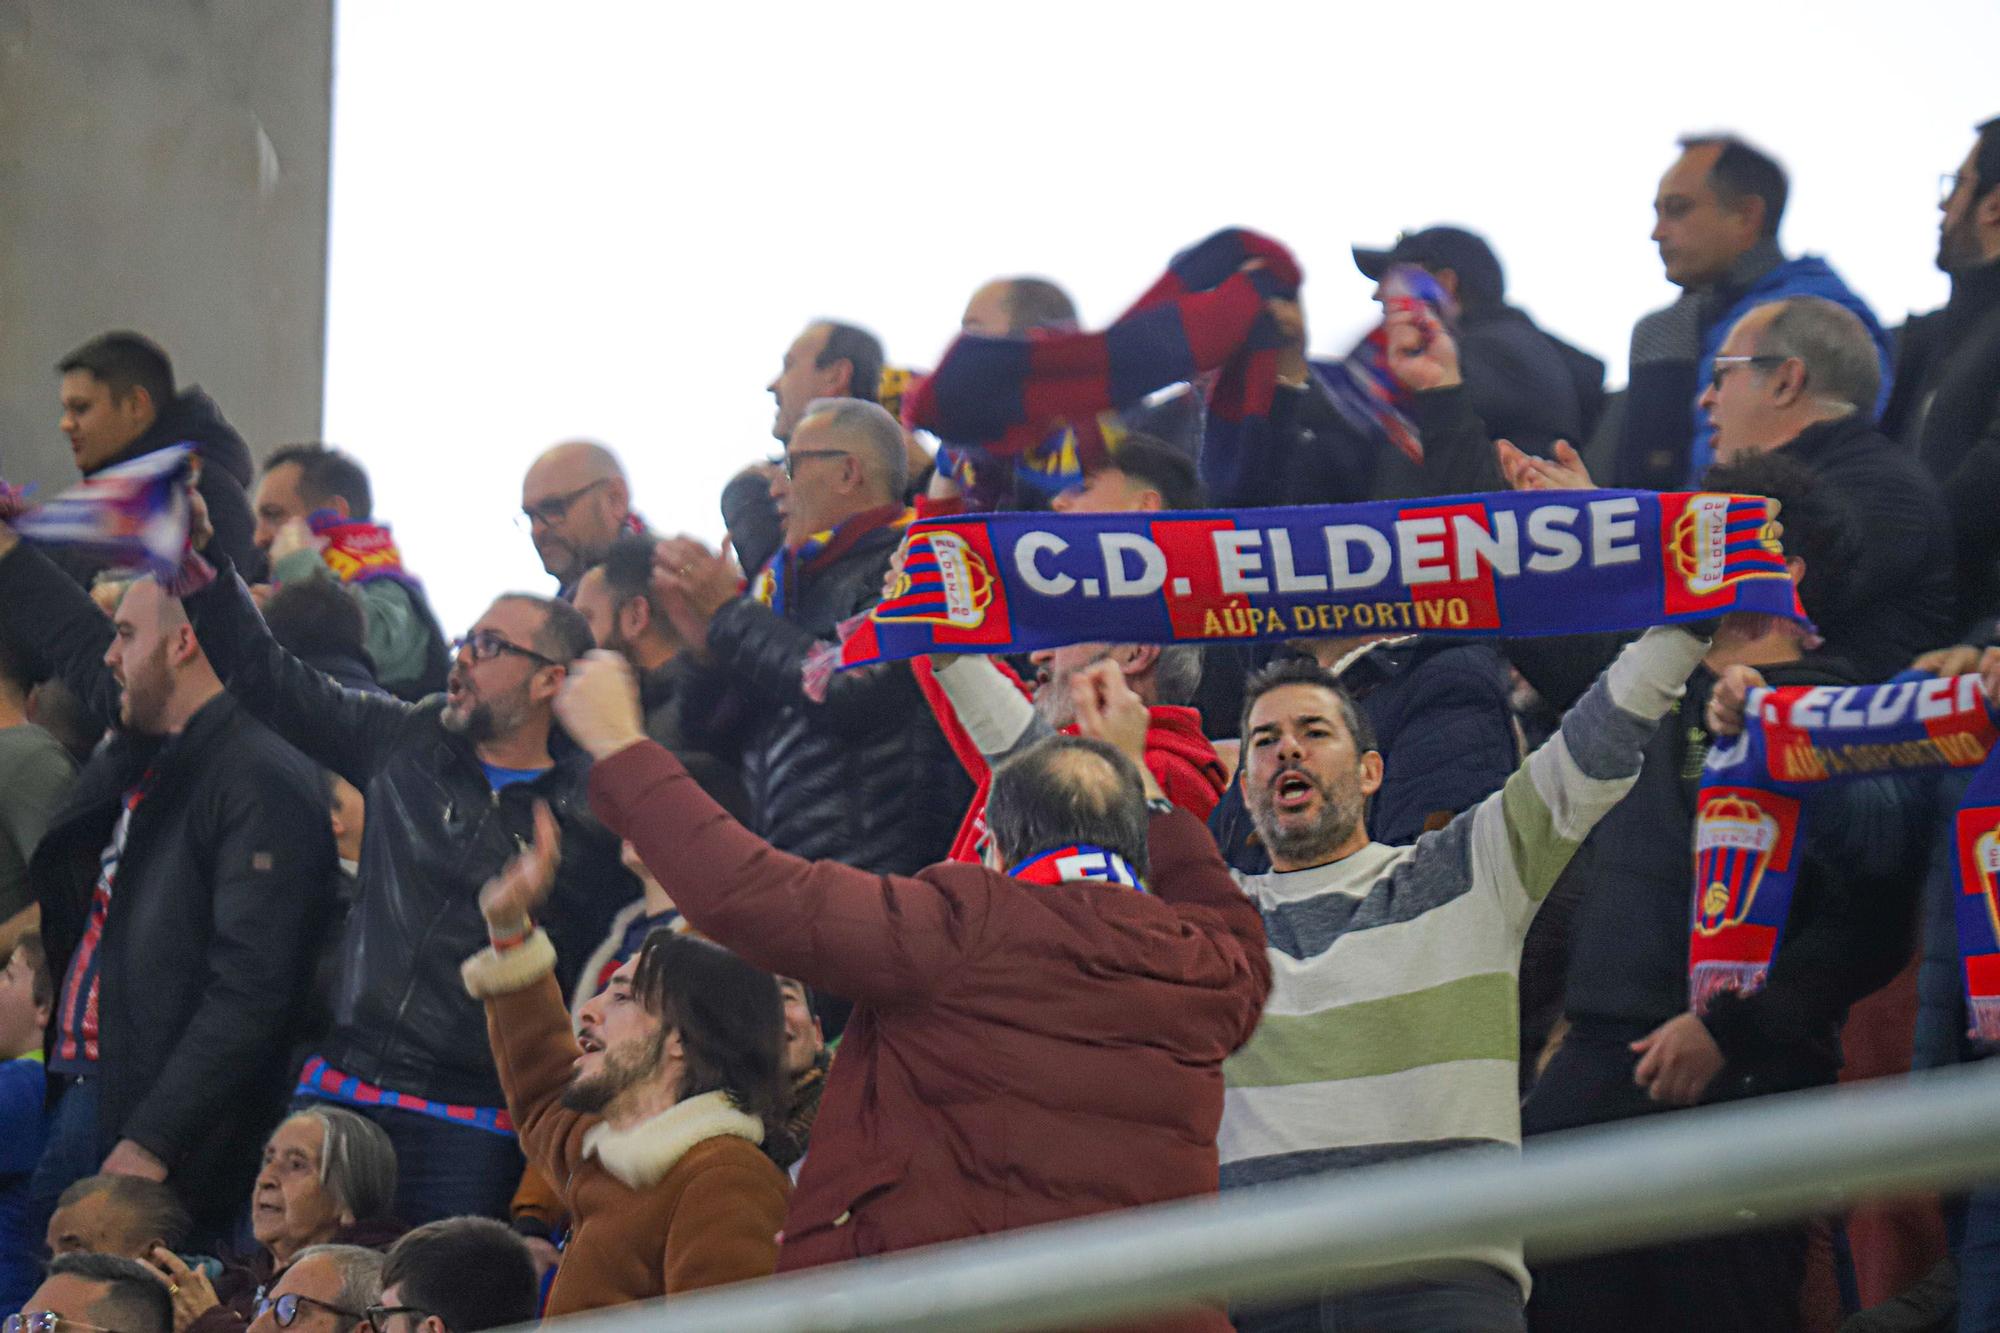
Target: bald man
column 576, row 501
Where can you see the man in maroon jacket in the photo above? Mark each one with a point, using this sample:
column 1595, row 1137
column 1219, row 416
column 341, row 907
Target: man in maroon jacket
column 1034, row 1039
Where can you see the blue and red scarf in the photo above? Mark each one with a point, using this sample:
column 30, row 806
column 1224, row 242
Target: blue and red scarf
column 134, row 515
column 359, row 552
column 1753, row 815
column 1078, row 861
column 821, row 549
column 1363, row 388
column 1475, row 566
column 1043, row 396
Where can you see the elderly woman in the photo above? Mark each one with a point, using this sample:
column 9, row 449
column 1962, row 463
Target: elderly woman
column 329, row 1178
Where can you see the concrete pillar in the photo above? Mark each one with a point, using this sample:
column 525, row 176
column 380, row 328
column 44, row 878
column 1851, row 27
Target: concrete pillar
column 163, row 167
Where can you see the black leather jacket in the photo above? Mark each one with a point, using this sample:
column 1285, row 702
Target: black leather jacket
column 436, row 831
column 864, row 776
column 223, row 887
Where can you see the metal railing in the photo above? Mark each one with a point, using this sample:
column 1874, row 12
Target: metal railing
column 1589, row 1191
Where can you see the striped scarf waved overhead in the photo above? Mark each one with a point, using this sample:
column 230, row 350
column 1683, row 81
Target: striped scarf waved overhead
column 1008, row 397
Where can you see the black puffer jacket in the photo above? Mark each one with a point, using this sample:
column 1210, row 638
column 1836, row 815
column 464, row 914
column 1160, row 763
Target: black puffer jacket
column 864, row 776
column 436, row 831
column 224, row 886
column 1946, row 409
column 226, row 473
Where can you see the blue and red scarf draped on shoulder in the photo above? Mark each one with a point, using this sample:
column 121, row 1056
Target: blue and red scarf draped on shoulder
column 1043, row 398
column 776, row 580
column 1754, row 813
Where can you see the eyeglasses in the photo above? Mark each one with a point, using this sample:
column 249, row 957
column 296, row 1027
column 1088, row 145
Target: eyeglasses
column 790, row 462
column 48, row 1321
column 1948, row 186
column 556, row 508
column 487, row 644
column 1725, row 364
column 378, row 1315
column 285, row 1309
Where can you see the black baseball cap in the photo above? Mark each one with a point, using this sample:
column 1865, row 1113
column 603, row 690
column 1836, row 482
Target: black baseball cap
column 1464, row 253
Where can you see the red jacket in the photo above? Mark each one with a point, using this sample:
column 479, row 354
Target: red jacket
column 1178, row 754
column 1017, row 1054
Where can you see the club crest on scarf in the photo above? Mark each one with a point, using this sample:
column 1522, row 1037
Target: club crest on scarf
column 943, row 582
column 1515, row 563
column 1713, row 542
column 1062, row 865
column 1978, row 913
column 1755, row 809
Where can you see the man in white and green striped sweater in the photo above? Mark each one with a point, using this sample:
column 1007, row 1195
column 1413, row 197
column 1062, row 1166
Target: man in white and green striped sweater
column 1391, row 1030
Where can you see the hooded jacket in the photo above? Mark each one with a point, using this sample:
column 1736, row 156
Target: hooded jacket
column 1665, row 443
column 226, row 475
column 1018, row 1053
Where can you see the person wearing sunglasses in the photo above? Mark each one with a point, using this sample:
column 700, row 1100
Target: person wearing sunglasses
column 96, row 1293
column 1801, row 376
column 574, row 503
column 451, row 785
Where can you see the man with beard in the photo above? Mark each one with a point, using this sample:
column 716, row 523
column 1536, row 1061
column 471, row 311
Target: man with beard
column 574, row 502
column 1390, row 1031
column 450, row 786
column 181, row 885
column 1946, row 403
column 650, row 1116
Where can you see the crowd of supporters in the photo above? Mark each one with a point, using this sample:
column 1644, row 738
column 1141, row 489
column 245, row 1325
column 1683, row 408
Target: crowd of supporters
column 615, row 949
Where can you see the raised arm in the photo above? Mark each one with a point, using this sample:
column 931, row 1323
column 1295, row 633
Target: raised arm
column 876, row 939
column 345, row 730
column 45, row 613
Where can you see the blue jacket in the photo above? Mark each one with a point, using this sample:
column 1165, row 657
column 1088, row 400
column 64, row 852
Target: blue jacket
column 1807, row 275
column 23, row 1126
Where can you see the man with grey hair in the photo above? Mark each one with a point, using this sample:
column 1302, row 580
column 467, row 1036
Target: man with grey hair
column 1801, row 375
column 326, row 1289
column 853, row 771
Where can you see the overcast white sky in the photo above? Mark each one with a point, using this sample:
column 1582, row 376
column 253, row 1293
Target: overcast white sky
column 609, row 219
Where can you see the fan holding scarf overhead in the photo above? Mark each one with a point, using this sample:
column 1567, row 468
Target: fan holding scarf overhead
column 1046, row 402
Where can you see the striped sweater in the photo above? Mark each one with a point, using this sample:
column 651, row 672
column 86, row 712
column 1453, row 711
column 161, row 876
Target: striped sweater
column 1392, row 1026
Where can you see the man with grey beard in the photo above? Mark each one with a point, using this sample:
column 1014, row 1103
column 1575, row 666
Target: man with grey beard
column 451, row 786
column 1391, row 1027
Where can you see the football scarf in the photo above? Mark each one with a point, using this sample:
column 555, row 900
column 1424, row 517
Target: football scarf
column 359, row 552
column 1362, row 388
column 1476, row 566
column 1041, row 398
column 134, row 515
column 1063, row 865
column 1753, row 813
column 820, row 550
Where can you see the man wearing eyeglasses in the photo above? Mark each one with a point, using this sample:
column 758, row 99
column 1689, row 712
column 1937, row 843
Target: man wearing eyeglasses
column 326, row 1289
column 574, row 503
column 451, row 785
column 1801, row 375
column 1716, row 222
column 96, row 1293
column 1946, row 406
